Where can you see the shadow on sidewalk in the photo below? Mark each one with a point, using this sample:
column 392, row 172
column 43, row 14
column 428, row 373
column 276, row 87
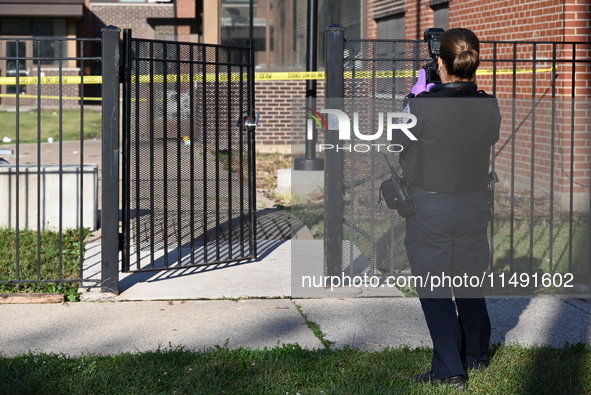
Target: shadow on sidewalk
column 265, row 248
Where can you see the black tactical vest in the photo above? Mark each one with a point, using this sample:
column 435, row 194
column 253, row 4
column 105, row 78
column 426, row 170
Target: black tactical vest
column 455, row 130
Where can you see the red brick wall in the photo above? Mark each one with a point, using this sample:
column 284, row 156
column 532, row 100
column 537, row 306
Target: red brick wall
column 371, row 24
column 129, row 15
column 419, row 17
column 496, row 20
column 184, row 9
column 279, row 102
column 539, row 20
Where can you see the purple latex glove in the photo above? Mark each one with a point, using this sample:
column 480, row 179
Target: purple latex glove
column 421, row 85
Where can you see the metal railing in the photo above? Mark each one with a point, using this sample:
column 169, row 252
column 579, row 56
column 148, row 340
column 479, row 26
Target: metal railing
column 49, row 187
column 542, row 203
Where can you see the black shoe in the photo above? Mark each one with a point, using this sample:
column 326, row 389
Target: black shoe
column 477, row 365
column 458, row 382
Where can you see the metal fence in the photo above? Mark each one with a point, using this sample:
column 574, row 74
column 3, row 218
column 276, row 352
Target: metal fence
column 542, row 203
column 188, row 158
column 48, row 187
column 188, row 181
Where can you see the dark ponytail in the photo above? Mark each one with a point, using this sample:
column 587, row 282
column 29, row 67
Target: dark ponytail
column 460, row 52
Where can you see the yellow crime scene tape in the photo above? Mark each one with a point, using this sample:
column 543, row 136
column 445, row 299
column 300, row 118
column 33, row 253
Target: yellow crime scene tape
column 236, row 77
column 54, row 80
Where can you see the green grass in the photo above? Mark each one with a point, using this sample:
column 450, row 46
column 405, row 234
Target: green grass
column 315, row 328
column 50, row 125
column 310, row 211
column 47, row 267
column 538, row 258
column 289, row 369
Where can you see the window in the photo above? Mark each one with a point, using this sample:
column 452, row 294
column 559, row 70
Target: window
column 235, row 23
column 441, row 15
column 49, row 50
column 392, row 28
column 39, row 27
column 280, row 28
column 347, row 13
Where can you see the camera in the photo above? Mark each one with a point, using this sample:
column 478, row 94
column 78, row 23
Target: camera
column 431, row 37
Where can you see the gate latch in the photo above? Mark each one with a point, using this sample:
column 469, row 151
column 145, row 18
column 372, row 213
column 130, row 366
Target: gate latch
column 250, row 123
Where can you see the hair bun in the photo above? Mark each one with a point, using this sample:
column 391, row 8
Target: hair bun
column 466, row 63
column 459, row 52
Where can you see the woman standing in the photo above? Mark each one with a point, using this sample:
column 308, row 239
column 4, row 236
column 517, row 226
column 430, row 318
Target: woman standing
column 447, row 174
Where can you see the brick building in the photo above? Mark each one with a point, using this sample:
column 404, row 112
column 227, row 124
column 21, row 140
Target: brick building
column 45, row 18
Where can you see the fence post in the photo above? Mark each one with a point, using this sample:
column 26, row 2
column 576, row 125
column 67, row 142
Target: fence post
column 310, row 161
column 333, row 168
column 125, row 155
column 110, row 161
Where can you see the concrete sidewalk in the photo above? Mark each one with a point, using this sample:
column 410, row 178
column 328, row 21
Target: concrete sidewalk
column 366, row 323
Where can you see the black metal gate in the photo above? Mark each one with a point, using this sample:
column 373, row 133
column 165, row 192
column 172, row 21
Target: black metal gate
column 188, row 158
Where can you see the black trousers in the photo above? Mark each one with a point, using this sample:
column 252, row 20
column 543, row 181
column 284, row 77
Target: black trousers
column 447, row 246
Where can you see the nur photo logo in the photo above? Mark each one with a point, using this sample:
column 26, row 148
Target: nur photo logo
column 339, row 120
column 320, row 121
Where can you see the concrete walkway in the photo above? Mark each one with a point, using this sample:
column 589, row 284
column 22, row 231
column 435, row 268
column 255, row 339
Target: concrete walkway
column 367, row 323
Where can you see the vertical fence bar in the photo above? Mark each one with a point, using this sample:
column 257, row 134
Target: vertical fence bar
column 17, row 171
column 348, row 160
column 333, row 168
column 204, row 129
column 251, row 155
column 61, row 161
column 164, row 62
column 513, row 134
column 110, row 160
column 81, row 148
column 179, row 163
column 572, row 160
column 229, row 127
column 393, row 219
column 152, row 230
column 241, row 145
column 217, row 153
column 134, row 72
column 532, row 160
column 135, row 62
column 125, row 154
column 374, row 166
column 552, row 162
column 192, row 141
column 493, row 163
column 38, row 43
